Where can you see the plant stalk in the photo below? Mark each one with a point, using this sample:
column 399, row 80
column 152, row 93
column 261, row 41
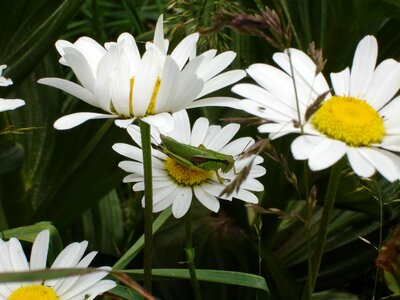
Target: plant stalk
column 148, row 207
column 190, row 253
column 323, row 228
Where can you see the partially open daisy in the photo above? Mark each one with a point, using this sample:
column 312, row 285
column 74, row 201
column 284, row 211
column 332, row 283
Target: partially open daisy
column 361, row 120
column 8, row 104
column 88, row 286
column 175, row 184
column 126, row 85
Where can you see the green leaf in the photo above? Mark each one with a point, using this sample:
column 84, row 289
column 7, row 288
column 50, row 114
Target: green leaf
column 44, row 274
column 218, row 276
column 126, row 293
column 35, row 26
column 29, row 233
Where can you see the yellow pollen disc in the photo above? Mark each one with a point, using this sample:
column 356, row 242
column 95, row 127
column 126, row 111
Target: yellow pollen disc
column 152, row 104
column 33, row 292
column 349, row 120
column 186, row 176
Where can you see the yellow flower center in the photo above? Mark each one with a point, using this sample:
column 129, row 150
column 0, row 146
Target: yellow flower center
column 349, row 120
column 184, row 175
column 34, row 292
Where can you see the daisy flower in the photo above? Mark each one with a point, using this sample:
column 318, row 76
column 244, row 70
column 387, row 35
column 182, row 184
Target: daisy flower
column 116, row 79
column 12, row 259
column 175, row 184
column 360, row 120
column 8, row 104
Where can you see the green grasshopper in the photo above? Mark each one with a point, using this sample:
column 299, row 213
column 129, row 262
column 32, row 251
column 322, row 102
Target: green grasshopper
column 196, row 158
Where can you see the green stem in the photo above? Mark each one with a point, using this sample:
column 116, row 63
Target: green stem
column 323, row 228
column 308, row 228
column 190, row 256
column 148, row 207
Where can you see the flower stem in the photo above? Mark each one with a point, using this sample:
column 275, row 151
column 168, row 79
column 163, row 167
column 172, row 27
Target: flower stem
column 323, row 228
column 190, row 253
column 148, row 207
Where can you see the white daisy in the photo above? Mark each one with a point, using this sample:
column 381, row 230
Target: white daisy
column 361, row 119
column 8, row 104
column 88, row 286
column 125, row 85
column 175, row 184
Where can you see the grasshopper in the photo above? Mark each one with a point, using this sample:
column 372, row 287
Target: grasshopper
column 196, row 158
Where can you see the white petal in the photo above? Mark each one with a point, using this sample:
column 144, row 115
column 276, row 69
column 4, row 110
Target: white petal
column 181, row 130
column 304, row 145
column 390, row 142
column 80, row 66
column 206, row 199
column 252, row 184
column 384, row 84
column 309, row 85
column 223, row 137
column 246, row 196
column 134, row 132
column 71, row 88
column 361, row 166
column 278, row 84
column 326, row 154
column 185, row 49
column 91, row 50
column 73, row 120
column 145, row 81
column 385, row 162
column 182, row 202
column 128, row 44
column 189, row 87
column 39, row 251
column 85, row 282
column 132, row 167
column 10, row 104
column 341, row 82
column 17, row 256
column 5, row 261
column 70, row 281
column 237, row 146
column 129, row 151
column 216, row 101
column 124, row 123
column 98, row 289
column 106, row 76
column 216, row 65
column 391, row 114
column 277, row 130
column 364, row 62
column 264, row 104
column 162, row 121
column 120, row 85
column 221, row 81
column 169, row 82
column 159, row 34
column 199, row 131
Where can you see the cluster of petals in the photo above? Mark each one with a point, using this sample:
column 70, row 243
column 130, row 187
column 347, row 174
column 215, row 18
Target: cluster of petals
column 8, row 104
column 283, row 96
column 166, row 190
column 126, row 85
column 88, row 286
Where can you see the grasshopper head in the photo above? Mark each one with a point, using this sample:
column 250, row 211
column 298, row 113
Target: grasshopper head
column 228, row 165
